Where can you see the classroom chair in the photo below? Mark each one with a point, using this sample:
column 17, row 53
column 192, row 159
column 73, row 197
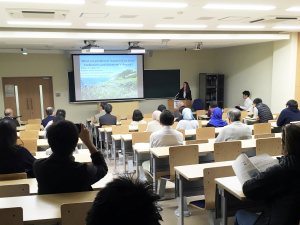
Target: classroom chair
column 261, row 128
column 195, row 142
column 271, row 146
column 142, row 127
column 178, row 156
column 34, row 121
column 209, row 176
column 205, row 133
column 13, row 176
column 244, row 114
column 259, row 136
column 225, row 151
column 33, row 134
column 147, row 115
column 14, row 190
column 29, row 143
column 174, row 125
column 33, row 127
column 199, row 113
column 74, row 213
column 11, row 216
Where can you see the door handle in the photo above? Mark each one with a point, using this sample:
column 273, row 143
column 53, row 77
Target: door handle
column 27, row 103
column 31, row 104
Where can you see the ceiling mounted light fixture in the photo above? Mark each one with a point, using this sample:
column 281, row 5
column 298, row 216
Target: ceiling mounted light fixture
column 134, row 47
column 24, row 51
column 245, row 7
column 147, row 4
column 91, row 47
column 61, row 2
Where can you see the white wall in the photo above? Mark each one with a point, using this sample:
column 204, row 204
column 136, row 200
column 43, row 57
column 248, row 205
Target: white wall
column 246, row 68
column 284, row 72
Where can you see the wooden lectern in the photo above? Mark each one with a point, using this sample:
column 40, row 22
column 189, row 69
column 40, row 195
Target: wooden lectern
column 172, row 104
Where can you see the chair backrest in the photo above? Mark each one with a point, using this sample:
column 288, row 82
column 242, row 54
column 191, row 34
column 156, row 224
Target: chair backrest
column 32, row 134
column 30, row 144
column 205, row 133
column 140, row 137
column 182, row 155
column 195, row 142
column 244, row 114
column 183, row 133
column 174, row 125
column 261, row 128
column 126, row 122
column 33, row 126
column 209, row 175
column 14, row 190
column 34, row 121
column 225, row 151
column 142, row 127
column 123, row 129
column 199, row 113
column 226, row 110
column 271, row 146
column 259, row 136
column 74, row 213
column 11, row 216
column 147, row 115
column 13, row 176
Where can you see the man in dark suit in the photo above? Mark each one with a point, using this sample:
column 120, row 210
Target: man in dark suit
column 107, row 119
column 49, row 117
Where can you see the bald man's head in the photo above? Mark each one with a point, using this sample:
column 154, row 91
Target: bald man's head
column 8, row 112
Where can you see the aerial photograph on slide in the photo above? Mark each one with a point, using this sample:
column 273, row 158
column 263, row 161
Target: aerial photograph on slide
column 108, row 77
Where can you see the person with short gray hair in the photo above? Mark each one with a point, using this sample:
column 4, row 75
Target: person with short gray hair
column 49, row 111
column 236, row 130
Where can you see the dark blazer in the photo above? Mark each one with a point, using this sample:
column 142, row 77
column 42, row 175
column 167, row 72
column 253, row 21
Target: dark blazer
column 188, row 95
column 288, row 115
column 58, row 174
column 16, row 160
column 279, row 188
column 47, row 120
column 107, row 119
column 14, row 121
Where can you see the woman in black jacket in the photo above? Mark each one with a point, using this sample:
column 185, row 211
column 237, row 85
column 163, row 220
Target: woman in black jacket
column 185, row 92
column 278, row 187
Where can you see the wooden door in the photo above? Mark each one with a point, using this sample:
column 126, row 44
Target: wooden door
column 28, row 95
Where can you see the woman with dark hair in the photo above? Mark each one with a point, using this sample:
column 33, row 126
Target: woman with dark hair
column 278, row 187
column 13, row 158
column 185, row 92
column 137, row 118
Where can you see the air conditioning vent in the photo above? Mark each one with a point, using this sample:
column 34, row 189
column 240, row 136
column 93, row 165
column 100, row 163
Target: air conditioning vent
column 37, row 14
column 274, row 19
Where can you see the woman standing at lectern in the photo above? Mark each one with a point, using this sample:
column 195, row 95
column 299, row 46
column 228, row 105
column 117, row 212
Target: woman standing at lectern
column 185, row 92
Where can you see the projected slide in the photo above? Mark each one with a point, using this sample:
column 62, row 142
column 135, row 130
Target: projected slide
column 108, row 77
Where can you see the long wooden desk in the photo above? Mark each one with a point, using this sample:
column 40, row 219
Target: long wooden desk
column 39, row 209
column 83, row 155
column 43, row 143
column 33, row 185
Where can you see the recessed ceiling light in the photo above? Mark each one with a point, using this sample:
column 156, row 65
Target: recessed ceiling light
column 294, row 9
column 114, row 25
column 239, row 7
column 39, row 23
column 181, row 26
column 61, row 2
column 147, row 4
column 286, row 27
column 240, row 27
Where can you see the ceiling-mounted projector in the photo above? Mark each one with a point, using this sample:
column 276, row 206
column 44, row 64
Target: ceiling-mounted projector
column 91, row 47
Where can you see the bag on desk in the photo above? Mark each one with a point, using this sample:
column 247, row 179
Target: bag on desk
column 246, row 168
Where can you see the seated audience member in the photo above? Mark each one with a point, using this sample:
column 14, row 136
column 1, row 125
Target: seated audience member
column 261, row 112
column 13, row 158
column 161, row 107
column 216, row 118
column 138, row 198
column 178, row 116
column 9, row 115
column 59, row 116
column 289, row 114
column 107, row 119
column 50, row 116
column 137, row 118
column 247, row 105
column 278, row 187
column 100, row 113
column 154, row 125
column 59, row 173
column 188, row 121
column 236, row 130
column 167, row 136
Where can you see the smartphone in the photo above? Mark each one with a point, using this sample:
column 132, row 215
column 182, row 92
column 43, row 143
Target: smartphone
column 78, row 125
